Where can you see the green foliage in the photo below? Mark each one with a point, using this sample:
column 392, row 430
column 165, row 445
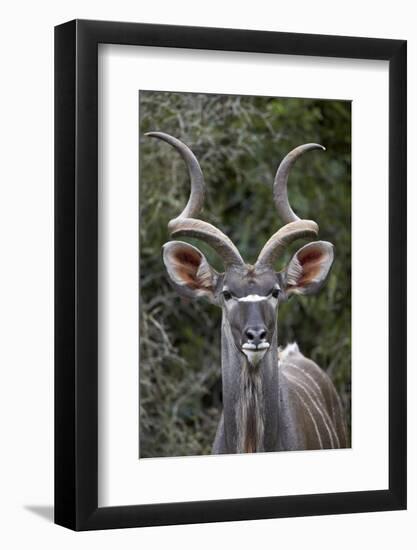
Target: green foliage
column 239, row 141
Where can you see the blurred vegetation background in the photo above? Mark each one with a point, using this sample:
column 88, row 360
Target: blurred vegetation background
column 239, row 141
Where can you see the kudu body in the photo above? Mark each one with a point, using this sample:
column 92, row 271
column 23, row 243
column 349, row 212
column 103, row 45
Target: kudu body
column 272, row 399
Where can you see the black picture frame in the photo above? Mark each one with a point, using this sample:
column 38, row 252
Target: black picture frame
column 76, row 272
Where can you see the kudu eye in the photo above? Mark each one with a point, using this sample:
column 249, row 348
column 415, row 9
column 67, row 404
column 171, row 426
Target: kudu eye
column 275, row 292
column 227, row 295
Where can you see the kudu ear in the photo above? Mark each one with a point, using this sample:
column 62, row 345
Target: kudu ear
column 189, row 271
column 308, row 268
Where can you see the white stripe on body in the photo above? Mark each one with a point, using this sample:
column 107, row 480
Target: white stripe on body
column 308, row 392
column 327, row 422
column 293, row 349
column 331, row 423
column 308, row 375
column 311, row 416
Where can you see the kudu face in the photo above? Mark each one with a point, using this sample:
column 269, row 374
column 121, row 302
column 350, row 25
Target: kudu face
column 249, row 299
column 249, row 295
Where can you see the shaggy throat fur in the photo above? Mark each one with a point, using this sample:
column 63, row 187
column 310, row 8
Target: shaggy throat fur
column 250, row 412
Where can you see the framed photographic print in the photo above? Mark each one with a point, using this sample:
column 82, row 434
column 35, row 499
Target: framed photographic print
column 230, row 275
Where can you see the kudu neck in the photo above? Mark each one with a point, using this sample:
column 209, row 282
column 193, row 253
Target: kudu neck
column 250, row 404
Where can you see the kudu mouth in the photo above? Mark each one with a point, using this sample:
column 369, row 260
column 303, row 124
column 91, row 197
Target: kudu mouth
column 255, row 352
column 255, row 347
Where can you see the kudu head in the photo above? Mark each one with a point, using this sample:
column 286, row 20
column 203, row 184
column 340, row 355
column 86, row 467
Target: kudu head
column 249, row 295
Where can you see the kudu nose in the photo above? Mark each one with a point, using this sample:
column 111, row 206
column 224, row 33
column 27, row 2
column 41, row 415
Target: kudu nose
column 256, row 335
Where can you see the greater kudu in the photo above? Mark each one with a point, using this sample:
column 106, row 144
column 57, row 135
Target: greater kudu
column 273, row 399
